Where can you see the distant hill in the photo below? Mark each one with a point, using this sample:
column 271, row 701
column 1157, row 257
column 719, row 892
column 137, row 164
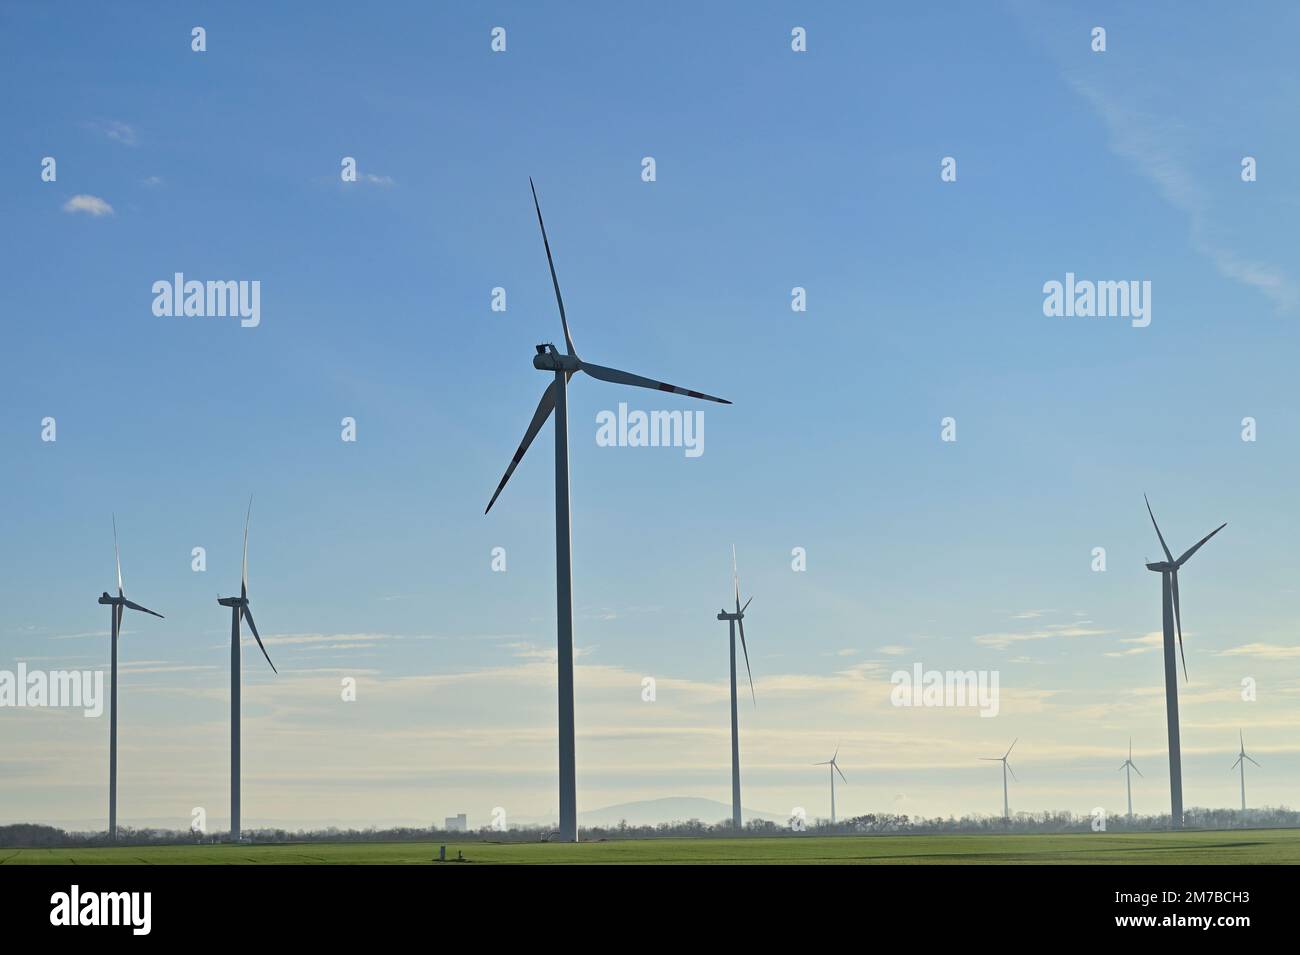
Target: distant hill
column 649, row 812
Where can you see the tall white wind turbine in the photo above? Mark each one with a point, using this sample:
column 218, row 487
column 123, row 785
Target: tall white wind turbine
column 117, row 605
column 1241, row 761
column 734, row 620
column 555, row 399
column 1130, row 769
column 834, row 768
column 1168, row 570
column 239, row 610
column 1006, row 768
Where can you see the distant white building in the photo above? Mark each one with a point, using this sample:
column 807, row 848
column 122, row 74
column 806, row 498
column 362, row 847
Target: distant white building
column 457, row 823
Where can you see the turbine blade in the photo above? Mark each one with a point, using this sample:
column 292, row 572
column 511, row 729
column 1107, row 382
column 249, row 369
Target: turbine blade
column 252, row 626
column 1013, row 773
column 244, row 579
column 1197, row 546
column 544, row 409
column 627, row 378
column 1252, row 759
column 1136, row 770
column 747, row 603
column 735, row 577
column 1178, row 622
column 117, row 557
column 741, row 625
column 1234, row 764
column 559, row 300
column 1121, row 767
column 840, row 771
column 1163, row 545
column 1011, row 747
column 118, row 613
column 824, row 762
column 136, row 606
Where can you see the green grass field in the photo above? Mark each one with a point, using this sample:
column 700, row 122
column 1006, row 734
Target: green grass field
column 1237, row 847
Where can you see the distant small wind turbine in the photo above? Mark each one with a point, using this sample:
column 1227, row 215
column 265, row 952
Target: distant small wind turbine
column 564, row 365
column 1006, row 768
column 1168, row 570
column 834, row 768
column 1128, row 776
column 735, row 620
column 118, row 603
column 1241, row 761
column 239, row 610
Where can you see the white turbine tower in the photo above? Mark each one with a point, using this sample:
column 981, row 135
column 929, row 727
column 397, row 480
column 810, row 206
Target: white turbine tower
column 1128, row 775
column 834, row 768
column 1241, row 761
column 1006, row 768
column 734, row 620
column 564, row 365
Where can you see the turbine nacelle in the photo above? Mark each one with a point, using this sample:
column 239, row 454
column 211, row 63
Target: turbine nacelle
column 1162, row 566
column 233, row 601
column 549, row 359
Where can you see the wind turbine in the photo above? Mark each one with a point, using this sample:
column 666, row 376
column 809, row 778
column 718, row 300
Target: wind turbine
column 118, row 604
column 735, row 620
column 1241, row 761
column 1168, row 570
column 834, row 768
column 239, row 610
column 555, row 398
column 1128, row 776
column 1006, row 768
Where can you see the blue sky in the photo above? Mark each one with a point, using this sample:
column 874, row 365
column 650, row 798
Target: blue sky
column 774, row 170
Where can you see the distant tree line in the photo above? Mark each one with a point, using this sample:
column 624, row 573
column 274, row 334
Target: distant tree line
column 31, row 835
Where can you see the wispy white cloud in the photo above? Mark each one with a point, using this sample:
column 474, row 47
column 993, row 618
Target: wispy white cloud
column 325, row 640
column 1262, row 651
column 158, row 666
column 1031, row 614
column 1146, row 141
column 117, row 131
column 1001, row 641
column 91, row 205
column 1143, row 644
column 531, row 651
